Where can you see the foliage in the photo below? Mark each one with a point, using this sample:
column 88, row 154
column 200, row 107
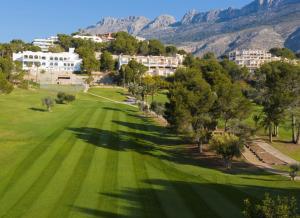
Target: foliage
column 124, row 44
column 294, row 169
column 63, row 98
column 56, row 49
column 171, row 50
column 283, row 52
column 107, row 62
column 143, row 48
column 48, row 103
column 271, row 207
column 89, row 61
column 228, row 146
column 191, row 100
column 5, row 86
column 279, row 85
column 158, row 108
column 156, row 47
column 133, row 72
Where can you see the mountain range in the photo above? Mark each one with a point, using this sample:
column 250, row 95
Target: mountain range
column 262, row 24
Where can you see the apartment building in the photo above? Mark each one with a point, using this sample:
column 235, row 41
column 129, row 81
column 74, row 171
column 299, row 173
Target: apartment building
column 157, row 65
column 45, row 44
column 252, row 59
column 96, row 39
column 59, row 62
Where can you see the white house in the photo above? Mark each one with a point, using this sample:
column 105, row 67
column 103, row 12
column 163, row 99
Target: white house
column 96, row 39
column 45, row 44
column 59, row 62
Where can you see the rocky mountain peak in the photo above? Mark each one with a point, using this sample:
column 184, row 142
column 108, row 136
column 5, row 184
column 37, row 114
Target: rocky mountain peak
column 161, row 22
column 189, row 16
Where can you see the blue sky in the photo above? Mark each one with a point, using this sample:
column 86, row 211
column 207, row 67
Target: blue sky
column 28, row 19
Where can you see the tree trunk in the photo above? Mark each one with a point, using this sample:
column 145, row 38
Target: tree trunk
column 228, row 164
column 298, row 136
column 270, row 133
column 294, row 139
column 225, row 126
column 200, row 147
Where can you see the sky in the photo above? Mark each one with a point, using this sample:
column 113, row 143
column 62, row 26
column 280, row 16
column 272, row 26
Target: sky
column 29, row 19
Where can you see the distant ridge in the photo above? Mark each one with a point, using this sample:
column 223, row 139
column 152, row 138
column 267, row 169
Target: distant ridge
column 262, row 24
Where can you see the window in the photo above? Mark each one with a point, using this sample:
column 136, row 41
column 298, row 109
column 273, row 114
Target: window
column 56, row 64
column 60, row 59
column 65, row 64
column 51, row 64
column 43, row 58
column 72, row 65
column 36, row 57
column 25, row 56
column 51, row 58
column 30, row 57
column 56, row 58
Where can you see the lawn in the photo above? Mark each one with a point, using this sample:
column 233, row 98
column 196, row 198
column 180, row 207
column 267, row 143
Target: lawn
column 94, row 158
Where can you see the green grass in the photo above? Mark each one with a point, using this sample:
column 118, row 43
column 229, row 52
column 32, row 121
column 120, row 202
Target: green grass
column 94, row 158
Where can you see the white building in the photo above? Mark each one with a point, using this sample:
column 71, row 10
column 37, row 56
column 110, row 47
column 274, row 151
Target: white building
column 252, row 59
column 96, row 39
column 59, row 62
column 157, row 65
column 45, row 44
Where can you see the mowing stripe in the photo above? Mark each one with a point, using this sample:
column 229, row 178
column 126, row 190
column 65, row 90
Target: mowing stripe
column 38, row 150
column 109, row 183
column 49, row 195
column 126, row 176
column 151, row 206
column 73, row 187
column 44, row 178
column 26, row 179
column 88, row 197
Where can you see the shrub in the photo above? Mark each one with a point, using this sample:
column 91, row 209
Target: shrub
column 271, row 207
column 63, row 98
column 228, row 146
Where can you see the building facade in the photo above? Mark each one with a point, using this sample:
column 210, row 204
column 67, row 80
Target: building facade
column 252, row 59
column 157, row 65
column 45, row 44
column 47, row 61
column 96, row 39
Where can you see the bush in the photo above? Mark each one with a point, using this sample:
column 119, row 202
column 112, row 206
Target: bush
column 271, row 207
column 228, row 146
column 63, row 98
column 294, row 169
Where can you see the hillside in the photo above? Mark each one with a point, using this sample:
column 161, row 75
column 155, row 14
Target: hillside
column 262, row 24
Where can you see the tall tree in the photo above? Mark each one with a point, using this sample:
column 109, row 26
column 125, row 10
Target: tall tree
column 156, row 47
column 191, row 100
column 107, row 62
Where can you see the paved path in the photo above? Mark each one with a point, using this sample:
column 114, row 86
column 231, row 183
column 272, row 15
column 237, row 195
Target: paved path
column 276, row 153
column 117, row 102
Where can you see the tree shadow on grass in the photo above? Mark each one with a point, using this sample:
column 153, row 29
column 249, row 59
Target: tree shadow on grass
column 118, row 141
column 176, row 198
column 37, row 109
